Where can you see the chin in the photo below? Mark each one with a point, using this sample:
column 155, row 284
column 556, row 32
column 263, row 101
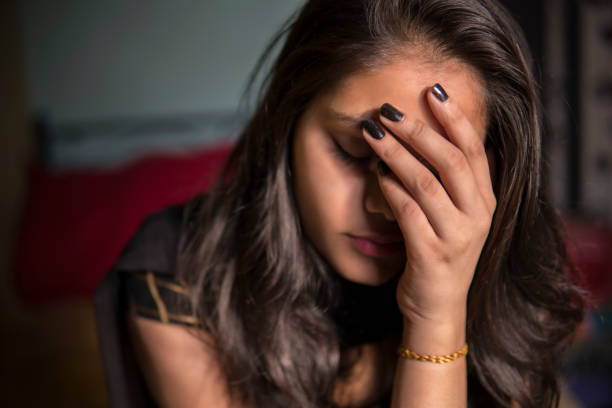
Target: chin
column 373, row 275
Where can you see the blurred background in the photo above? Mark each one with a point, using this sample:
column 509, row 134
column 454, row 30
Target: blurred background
column 111, row 110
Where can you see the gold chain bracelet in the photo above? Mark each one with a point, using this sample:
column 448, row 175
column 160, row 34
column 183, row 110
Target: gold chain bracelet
column 411, row 355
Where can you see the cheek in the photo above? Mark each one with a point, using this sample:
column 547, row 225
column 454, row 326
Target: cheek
column 321, row 189
column 327, row 191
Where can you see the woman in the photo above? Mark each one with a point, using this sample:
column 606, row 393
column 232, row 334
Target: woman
column 386, row 192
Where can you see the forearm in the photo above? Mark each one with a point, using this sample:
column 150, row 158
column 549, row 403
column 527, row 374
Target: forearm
column 426, row 384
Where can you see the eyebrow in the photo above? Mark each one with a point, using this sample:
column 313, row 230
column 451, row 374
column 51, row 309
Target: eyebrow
column 354, row 121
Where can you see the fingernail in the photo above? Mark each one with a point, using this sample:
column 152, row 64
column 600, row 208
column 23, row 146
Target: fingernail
column 373, row 129
column 439, row 92
column 383, row 169
column 390, row 112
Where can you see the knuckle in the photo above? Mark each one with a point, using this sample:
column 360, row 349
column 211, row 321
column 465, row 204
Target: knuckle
column 446, row 258
column 437, row 246
column 492, row 203
column 474, row 149
column 462, row 241
column 390, row 151
column 484, row 224
column 427, row 183
column 408, row 209
column 416, row 128
column 456, row 160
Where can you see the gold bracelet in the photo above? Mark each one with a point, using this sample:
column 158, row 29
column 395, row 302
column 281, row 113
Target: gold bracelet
column 411, row 355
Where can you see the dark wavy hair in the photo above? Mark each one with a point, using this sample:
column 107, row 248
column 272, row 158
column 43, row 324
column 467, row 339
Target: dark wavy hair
column 262, row 291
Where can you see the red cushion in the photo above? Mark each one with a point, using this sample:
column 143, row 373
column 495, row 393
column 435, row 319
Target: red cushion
column 76, row 223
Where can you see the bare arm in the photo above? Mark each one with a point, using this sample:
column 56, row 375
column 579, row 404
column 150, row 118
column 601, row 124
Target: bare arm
column 180, row 369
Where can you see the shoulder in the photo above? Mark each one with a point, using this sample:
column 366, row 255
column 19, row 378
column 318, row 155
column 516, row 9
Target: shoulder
column 154, row 246
column 147, row 270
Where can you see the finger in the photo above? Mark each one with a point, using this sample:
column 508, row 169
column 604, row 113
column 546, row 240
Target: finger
column 450, row 163
column 420, row 183
column 412, row 221
column 462, row 133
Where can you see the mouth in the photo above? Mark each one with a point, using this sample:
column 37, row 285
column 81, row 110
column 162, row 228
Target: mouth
column 376, row 245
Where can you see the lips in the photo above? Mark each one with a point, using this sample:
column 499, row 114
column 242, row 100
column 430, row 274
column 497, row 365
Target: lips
column 377, row 245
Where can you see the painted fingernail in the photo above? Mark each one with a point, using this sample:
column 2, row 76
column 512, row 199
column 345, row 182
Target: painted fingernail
column 383, row 169
column 373, row 129
column 390, row 112
column 439, row 92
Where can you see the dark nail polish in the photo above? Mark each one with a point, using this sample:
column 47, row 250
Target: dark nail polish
column 373, row 129
column 383, row 169
column 439, row 92
column 390, row 112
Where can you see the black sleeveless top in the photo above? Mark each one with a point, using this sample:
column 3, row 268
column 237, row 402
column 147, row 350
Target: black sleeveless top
column 143, row 281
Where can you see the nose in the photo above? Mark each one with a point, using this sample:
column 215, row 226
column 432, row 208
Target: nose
column 374, row 200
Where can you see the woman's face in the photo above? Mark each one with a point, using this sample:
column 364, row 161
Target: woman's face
column 342, row 209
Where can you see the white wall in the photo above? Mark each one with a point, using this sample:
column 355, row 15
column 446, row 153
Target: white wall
column 89, row 59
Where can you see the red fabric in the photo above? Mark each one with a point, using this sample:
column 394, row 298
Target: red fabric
column 76, row 223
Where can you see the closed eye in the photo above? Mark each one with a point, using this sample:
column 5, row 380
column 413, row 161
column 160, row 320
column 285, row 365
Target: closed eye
column 345, row 156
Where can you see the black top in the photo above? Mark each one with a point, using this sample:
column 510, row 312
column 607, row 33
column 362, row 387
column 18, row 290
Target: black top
column 150, row 253
column 143, row 281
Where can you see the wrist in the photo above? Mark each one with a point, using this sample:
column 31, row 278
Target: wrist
column 438, row 337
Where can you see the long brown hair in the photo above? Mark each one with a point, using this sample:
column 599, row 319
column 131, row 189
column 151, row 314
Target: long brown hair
column 264, row 294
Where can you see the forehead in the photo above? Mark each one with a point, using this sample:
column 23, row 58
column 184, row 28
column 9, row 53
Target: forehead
column 404, row 83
